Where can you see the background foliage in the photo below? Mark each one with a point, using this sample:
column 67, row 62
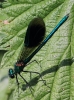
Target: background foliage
column 56, row 57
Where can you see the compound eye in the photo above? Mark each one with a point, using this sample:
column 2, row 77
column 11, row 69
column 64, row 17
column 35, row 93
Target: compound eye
column 11, row 73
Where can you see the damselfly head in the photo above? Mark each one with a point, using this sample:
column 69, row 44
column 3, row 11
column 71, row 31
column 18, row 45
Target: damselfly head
column 35, row 32
column 11, row 73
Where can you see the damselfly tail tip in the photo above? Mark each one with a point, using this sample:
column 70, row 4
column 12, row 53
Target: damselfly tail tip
column 67, row 15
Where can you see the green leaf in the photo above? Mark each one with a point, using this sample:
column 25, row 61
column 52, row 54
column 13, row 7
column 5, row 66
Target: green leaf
column 56, row 57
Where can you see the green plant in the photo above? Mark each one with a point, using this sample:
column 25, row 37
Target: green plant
column 56, row 57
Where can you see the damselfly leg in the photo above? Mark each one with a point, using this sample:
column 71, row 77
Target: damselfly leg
column 27, row 84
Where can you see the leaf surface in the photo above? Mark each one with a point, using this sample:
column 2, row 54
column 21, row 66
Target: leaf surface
column 56, row 57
